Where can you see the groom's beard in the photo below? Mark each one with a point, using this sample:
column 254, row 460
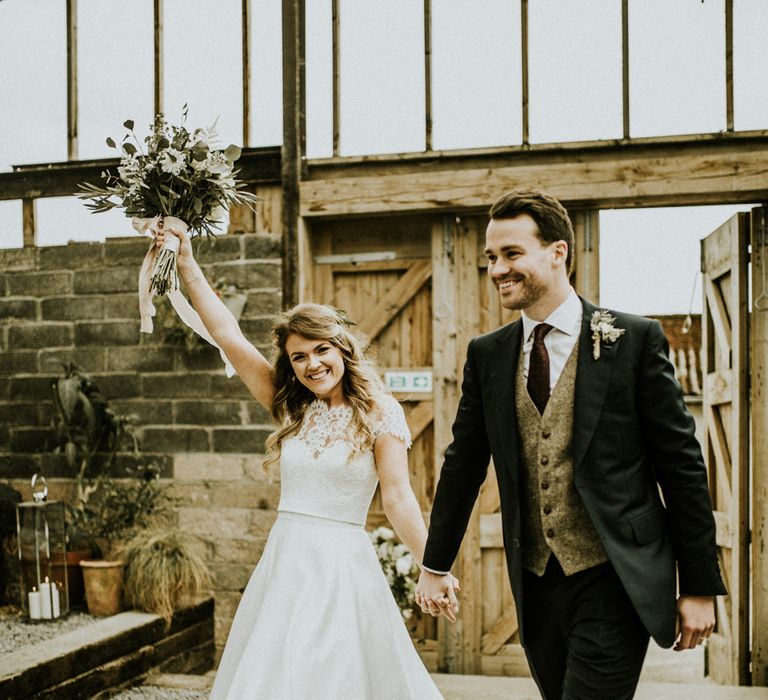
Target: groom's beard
column 526, row 294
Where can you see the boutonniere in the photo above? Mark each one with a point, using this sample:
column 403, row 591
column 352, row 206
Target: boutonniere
column 603, row 331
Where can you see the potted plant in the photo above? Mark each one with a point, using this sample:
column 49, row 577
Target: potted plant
column 105, row 511
column 163, row 571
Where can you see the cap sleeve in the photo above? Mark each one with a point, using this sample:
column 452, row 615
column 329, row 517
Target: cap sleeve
column 391, row 419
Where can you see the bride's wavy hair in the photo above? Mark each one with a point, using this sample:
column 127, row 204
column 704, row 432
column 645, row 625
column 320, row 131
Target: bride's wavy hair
column 361, row 383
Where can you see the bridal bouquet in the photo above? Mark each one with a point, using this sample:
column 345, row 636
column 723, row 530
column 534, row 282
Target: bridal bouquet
column 177, row 180
column 399, row 567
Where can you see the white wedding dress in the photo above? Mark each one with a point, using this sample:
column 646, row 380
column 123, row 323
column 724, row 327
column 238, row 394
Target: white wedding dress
column 317, row 619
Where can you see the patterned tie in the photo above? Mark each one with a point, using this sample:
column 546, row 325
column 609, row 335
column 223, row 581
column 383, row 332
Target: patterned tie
column 538, row 369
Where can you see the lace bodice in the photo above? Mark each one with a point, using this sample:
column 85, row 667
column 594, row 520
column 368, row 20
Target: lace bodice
column 317, row 475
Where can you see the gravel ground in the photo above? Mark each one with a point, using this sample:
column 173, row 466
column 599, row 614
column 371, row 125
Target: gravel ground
column 17, row 632
column 153, row 692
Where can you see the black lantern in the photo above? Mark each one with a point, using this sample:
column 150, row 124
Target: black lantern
column 41, row 532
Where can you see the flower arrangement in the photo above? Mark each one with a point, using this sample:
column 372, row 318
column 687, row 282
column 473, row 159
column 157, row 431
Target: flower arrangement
column 179, row 175
column 399, row 567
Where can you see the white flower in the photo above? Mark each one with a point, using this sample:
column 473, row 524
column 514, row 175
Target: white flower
column 384, row 533
column 217, row 163
column 407, row 613
column 173, row 161
column 404, row 564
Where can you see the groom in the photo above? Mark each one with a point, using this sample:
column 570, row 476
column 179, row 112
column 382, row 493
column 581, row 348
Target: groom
column 607, row 522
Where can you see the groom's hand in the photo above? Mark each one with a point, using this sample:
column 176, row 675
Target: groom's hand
column 695, row 620
column 435, row 595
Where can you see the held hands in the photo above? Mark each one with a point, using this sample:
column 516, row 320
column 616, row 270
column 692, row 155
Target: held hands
column 695, row 621
column 185, row 247
column 436, row 594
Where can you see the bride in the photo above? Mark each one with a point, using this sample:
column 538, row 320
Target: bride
column 317, row 619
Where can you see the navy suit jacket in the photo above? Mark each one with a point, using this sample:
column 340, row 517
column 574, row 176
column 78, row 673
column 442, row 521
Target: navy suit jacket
column 633, row 442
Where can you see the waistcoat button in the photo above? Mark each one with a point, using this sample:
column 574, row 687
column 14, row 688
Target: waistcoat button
column 545, row 460
column 550, row 532
column 545, row 485
column 547, row 510
column 546, row 434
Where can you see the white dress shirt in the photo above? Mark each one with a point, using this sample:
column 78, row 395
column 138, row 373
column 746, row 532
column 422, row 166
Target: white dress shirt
column 560, row 341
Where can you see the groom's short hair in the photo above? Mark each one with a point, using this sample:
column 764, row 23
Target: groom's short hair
column 551, row 217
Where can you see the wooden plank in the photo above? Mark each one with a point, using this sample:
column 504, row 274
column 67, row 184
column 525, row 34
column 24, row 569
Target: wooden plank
column 427, row 75
column 158, row 92
column 759, row 421
column 724, row 529
column 524, row 71
column 419, row 417
column 490, row 530
column 29, row 222
column 625, row 113
column 501, row 631
column 717, row 386
column 586, row 266
column 661, row 176
column 445, row 388
column 723, row 464
column 245, row 29
column 719, row 315
column 72, row 119
column 511, row 662
column 729, row 65
column 397, row 297
column 377, row 266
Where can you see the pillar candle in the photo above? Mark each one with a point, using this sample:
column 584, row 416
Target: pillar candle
column 45, row 595
column 56, row 600
column 35, row 606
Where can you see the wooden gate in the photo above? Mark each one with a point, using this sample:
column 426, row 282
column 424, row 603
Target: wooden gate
column 726, row 443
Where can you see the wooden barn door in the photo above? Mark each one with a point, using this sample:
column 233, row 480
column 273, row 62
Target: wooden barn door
column 379, row 271
column 726, row 443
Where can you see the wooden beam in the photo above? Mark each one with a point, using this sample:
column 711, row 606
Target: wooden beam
column 704, row 172
column 524, row 69
column 625, row 68
column 246, row 44
column 158, row 56
column 29, row 222
column 256, row 165
column 759, row 419
column 379, row 317
column 72, row 80
column 729, row 65
column 336, row 76
column 501, row 631
column 427, row 75
column 293, row 143
column 419, row 417
column 586, row 254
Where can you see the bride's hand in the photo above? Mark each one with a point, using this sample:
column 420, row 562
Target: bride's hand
column 185, row 246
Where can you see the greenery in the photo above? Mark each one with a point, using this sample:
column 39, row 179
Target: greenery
column 162, row 570
column 179, row 174
column 89, row 434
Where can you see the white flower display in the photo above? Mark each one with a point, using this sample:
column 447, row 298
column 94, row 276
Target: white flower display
column 399, row 566
column 603, row 331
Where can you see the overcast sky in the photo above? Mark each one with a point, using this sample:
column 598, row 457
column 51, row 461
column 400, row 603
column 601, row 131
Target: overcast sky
column 677, row 68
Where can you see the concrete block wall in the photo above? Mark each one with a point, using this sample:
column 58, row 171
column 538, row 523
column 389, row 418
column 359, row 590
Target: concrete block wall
column 78, row 303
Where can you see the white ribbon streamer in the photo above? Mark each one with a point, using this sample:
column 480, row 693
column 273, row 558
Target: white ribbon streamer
column 190, row 317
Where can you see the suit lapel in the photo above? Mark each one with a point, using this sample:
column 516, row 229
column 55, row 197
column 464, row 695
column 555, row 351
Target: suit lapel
column 593, row 377
column 503, row 372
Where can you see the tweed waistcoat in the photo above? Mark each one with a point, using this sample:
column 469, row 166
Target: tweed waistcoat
column 554, row 519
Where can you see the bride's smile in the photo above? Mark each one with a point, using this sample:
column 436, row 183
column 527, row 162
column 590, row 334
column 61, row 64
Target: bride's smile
column 319, row 366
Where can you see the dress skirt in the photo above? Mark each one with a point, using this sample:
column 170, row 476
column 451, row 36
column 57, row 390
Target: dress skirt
column 318, row 620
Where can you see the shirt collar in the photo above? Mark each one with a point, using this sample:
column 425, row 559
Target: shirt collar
column 566, row 318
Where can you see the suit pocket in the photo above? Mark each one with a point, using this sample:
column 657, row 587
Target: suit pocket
column 648, row 527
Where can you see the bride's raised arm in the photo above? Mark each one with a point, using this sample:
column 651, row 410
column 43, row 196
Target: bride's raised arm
column 254, row 369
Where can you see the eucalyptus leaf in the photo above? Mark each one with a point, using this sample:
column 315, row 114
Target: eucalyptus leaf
column 111, row 142
column 128, row 124
column 70, row 453
column 129, row 148
column 232, row 152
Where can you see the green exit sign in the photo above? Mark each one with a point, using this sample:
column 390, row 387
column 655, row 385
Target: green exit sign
column 415, row 382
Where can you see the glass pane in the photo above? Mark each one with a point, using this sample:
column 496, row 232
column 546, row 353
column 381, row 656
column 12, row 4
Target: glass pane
column 649, row 258
column 266, row 73
column 476, row 74
column 115, row 72
column 750, row 64
column 64, row 219
column 204, row 64
column 574, row 70
column 33, row 89
column 11, row 233
column 382, row 76
column 676, row 67
column 319, row 66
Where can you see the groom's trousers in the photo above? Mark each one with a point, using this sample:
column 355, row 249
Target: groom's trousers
column 583, row 638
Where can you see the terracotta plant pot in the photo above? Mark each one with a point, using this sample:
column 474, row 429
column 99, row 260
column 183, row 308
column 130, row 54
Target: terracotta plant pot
column 103, row 586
